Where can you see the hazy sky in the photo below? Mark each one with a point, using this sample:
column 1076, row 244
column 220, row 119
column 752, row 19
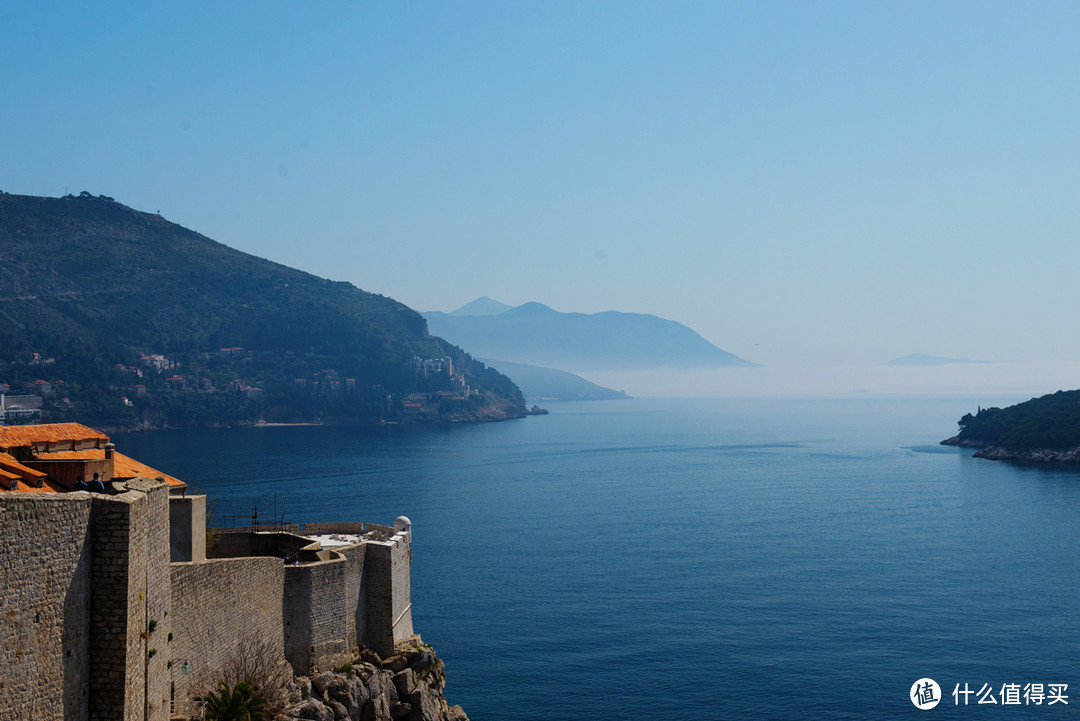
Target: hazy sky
column 802, row 183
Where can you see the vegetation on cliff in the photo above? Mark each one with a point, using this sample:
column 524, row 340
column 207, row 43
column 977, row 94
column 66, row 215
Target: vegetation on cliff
column 131, row 320
column 1045, row 428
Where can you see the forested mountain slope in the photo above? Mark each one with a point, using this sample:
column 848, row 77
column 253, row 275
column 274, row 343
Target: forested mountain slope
column 105, row 303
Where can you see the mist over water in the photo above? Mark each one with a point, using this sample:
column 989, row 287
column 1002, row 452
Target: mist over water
column 1013, row 381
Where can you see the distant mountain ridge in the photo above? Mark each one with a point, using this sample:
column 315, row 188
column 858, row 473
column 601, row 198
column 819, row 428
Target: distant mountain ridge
column 135, row 321
column 535, row 334
column 482, row 306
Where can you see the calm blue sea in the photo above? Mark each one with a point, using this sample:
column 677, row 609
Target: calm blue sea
column 719, row 559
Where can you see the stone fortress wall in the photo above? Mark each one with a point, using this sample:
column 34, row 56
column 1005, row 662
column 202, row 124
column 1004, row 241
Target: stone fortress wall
column 110, row 609
column 45, row 628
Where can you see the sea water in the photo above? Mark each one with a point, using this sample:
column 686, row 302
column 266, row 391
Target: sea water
column 697, row 559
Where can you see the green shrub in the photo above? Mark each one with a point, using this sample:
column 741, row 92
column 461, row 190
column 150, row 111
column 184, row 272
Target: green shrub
column 242, row 702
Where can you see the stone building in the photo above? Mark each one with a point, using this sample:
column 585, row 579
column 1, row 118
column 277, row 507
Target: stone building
column 111, row 606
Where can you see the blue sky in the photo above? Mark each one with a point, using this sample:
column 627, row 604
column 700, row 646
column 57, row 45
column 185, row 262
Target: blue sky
column 802, row 183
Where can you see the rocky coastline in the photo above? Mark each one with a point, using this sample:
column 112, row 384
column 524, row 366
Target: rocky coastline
column 1031, row 455
column 405, row 687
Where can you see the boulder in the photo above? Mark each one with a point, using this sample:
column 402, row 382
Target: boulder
column 421, row 661
column 340, row 712
column 369, row 656
column 395, row 663
column 380, row 683
column 379, row 710
column 405, row 681
column 323, row 680
column 424, row 706
column 310, row 709
column 350, row 691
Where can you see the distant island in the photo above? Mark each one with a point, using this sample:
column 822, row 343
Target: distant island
column 537, row 335
column 921, row 359
column 123, row 320
column 1041, row 430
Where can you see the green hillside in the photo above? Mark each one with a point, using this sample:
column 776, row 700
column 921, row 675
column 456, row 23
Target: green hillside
column 1050, row 422
column 96, row 290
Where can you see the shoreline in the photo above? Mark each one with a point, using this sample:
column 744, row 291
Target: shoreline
column 1041, row 456
column 264, row 424
column 393, row 420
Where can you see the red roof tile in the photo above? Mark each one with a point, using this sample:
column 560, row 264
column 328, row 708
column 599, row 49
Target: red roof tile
column 15, row 436
column 9, row 464
column 88, row 454
column 125, row 467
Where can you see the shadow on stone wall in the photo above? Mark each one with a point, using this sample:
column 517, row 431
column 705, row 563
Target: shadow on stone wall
column 76, row 634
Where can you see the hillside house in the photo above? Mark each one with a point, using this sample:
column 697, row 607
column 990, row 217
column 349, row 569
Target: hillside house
column 19, row 409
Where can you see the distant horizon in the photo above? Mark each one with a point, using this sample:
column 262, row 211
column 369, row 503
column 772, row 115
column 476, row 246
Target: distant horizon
column 993, row 383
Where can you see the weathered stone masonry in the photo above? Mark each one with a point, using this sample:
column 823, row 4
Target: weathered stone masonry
column 219, row 605
column 82, row 575
column 96, row 623
column 44, row 633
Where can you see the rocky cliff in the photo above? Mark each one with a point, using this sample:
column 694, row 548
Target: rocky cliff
column 405, row 687
column 1030, row 455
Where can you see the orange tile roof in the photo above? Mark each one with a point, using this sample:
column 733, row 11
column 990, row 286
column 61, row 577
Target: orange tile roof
column 48, row 487
column 88, row 454
column 125, row 467
column 8, row 463
column 21, row 485
column 15, row 436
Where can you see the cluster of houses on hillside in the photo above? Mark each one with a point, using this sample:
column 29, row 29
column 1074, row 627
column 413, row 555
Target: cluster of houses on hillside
column 326, row 381
column 158, row 373
column 421, row 403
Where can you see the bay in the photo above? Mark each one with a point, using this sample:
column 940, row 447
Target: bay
column 721, row 558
